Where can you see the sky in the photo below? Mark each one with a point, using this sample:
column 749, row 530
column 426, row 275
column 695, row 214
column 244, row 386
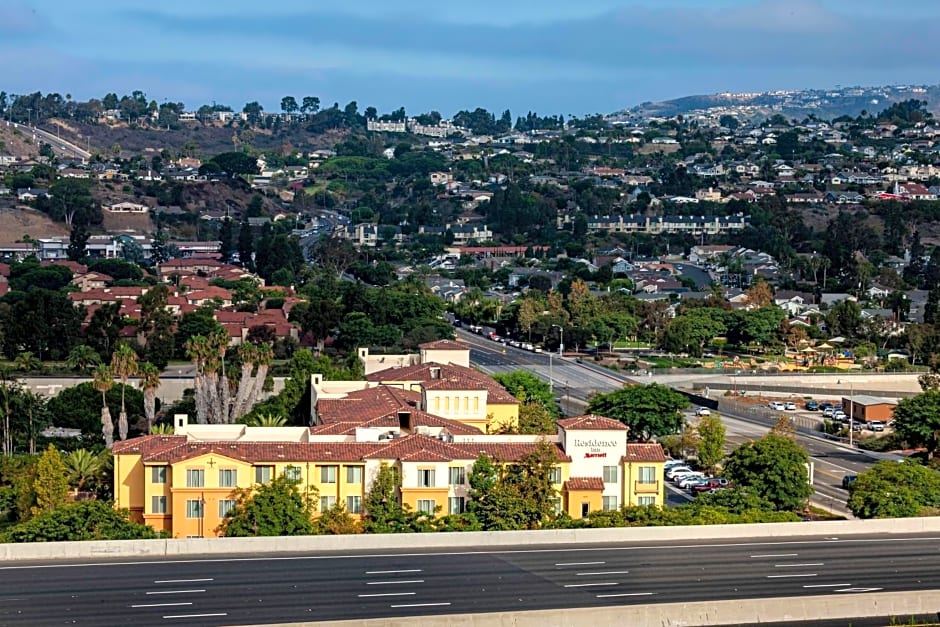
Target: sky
column 547, row 56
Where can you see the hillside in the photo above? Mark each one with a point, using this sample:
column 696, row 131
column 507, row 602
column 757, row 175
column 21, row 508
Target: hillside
column 15, row 223
column 16, row 143
column 824, row 104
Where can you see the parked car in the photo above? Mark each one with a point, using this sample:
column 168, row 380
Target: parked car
column 876, row 425
column 848, row 480
column 672, row 463
column 812, row 405
column 857, row 425
column 703, row 411
column 677, row 471
column 828, row 412
column 691, row 482
column 790, row 406
column 688, row 480
column 776, row 405
column 825, row 406
column 713, row 483
column 840, row 415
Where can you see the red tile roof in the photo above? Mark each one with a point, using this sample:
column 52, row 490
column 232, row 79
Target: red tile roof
column 591, row 422
column 594, row 484
column 447, row 377
column 644, row 453
column 444, row 345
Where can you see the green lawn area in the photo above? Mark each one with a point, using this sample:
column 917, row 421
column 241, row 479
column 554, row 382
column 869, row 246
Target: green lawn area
column 633, row 345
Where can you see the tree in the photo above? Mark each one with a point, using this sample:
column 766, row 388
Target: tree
column 775, row 467
column 759, row 295
column 528, row 388
column 310, row 104
column 51, row 484
column 711, row 432
column 235, row 163
column 648, row 410
column 149, row 383
column 535, row 418
column 78, row 242
column 289, row 104
column 226, row 239
column 86, row 520
column 82, row 468
column 82, row 357
column 124, row 365
column 276, row 508
column 246, row 246
column 26, row 362
column 103, row 381
column 917, row 420
column 336, row 521
column 384, row 511
column 892, row 490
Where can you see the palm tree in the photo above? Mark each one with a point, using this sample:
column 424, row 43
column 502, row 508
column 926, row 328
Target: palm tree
column 83, row 467
column 26, row 362
column 123, row 365
column 149, row 382
column 266, row 420
column 103, row 383
column 82, row 357
column 164, row 429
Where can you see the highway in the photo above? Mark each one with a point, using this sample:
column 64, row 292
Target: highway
column 60, row 145
column 576, row 383
column 332, row 586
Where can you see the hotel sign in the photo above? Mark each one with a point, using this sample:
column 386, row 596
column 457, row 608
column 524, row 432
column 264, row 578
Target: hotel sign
column 596, row 447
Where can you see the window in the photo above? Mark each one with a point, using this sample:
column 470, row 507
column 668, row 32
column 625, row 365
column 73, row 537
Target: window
column 647, row 474
column 292, row 473
column 228, row 477
column 556, row 474
column 556, row 504
column 610, row 474
column 466, row 404
column 455, row 505
column 476, row 403
column 327, row 474
column 354, row 474
column 327, row 503
column 646, row 500
column 610, row 502
column 447, row 403
column 263, row 473
column 426, row 506
column 195, row 478
column 354, row 504
column 194, row 508
column 225, row 506
column 158, row 505
column 458, row 476
column 425, row 478
column 158, row 474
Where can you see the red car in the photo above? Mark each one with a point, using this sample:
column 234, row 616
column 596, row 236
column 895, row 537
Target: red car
column 715, row 483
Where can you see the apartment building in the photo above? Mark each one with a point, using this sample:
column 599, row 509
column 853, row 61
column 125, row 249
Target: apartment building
column 186, row 483
column 696, row 225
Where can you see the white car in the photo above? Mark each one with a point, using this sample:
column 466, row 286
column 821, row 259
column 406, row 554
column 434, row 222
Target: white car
column 776, row 406
column 703, row 411
column 790, row 406
column 679, row 476
column 677, row 470
column 688, row 480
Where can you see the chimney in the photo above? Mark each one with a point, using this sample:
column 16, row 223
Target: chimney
column 179, row 423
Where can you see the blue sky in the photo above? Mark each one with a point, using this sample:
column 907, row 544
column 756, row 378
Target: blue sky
column 548, row 56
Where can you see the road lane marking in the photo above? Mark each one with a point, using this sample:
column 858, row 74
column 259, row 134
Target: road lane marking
column 390, row 583
column 860, row 590
column 581, row 564
column 828, row 585
column 392, row 572
column 159, row 604
column 588, row 585
column 175, row 591
column 785, row 576
column 420, row 604
column 608, row 549
column 609, row 572
column 182, row 580
column 625, row 594
column 797, row 565
column 775, row 555
column 195, row 615
column 388, row 594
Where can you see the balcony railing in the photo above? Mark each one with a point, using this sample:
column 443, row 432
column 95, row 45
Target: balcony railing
column 645, row 488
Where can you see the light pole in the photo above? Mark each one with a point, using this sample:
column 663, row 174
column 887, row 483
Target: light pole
column 561, row 338
column 851, row 412
column 551, row 378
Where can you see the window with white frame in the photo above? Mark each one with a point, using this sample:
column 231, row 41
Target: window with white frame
column 353, row 474
column 327, row 503
column 226, row 506
column 158, row 505
column 426, row 477
column 158, row 474
column 263, row 474
column 456, row 505
column 327, row 474
column 195, row 478
column 194, row 508
column 228, row 477
column 646, row 474
column 610, row 474
column 646, row 500
column 610, row 503
column 556, row 474
column 458, row 476
column 426, row 506
column 292, row 473
column 354, row 504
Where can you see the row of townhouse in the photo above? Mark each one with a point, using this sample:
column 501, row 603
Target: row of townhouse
column 709, row 225
column 186, row 483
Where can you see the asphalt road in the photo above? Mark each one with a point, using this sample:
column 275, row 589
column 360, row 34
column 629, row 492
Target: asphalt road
column 63, row 146
column 256, row 589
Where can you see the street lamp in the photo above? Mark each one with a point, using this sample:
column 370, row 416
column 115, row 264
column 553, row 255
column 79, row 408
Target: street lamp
column 561, row 338
column 851, row 411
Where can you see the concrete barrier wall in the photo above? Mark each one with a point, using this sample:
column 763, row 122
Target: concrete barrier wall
column 485, row 540
column 735, row 612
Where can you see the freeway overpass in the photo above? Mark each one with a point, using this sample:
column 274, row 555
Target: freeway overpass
column 261, row 588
